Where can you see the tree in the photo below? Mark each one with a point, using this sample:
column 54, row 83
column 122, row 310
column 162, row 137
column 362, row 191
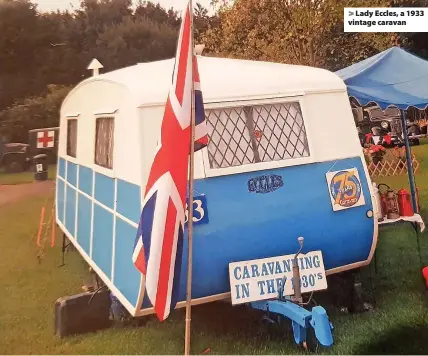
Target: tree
column 157, row 13
column 32, row 113
column 134, row 41
column 18, row 46
column 307, row 32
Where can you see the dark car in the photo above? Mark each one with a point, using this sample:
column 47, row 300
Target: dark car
column 14, row 157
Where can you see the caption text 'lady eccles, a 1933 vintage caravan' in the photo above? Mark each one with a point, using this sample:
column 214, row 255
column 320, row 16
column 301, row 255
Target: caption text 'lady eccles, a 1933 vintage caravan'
column 283, row 161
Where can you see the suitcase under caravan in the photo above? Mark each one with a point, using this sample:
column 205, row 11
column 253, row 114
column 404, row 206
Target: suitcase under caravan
column 283, row 161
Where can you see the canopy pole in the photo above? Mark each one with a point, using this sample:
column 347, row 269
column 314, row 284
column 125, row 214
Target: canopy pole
column 409, row 161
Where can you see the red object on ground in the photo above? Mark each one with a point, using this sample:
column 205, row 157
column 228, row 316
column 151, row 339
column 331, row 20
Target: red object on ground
column 368, row 137
column 425, row 274
column 404, row 203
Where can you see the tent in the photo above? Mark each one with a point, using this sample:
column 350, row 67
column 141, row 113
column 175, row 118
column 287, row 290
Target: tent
column 393, row 77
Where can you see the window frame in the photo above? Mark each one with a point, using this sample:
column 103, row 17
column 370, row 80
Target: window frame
column 259, row 166
column 98, row 167
column 68, row 119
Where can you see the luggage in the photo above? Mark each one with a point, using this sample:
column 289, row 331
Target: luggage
column 81, row 313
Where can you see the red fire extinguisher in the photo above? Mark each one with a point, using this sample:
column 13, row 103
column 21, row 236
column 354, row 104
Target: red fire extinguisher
column 404, row 203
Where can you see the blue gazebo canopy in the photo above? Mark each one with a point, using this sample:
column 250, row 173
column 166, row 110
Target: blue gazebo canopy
column 392, row 77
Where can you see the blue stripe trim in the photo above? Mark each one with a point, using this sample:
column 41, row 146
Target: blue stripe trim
column 85, row 179
column 126, row 276
column 61, row 167
column 128, row 200
column 60, row 201
column 102, row 240
column 70, row 210
column 84, row 214
column 104, row 190
column 72, row 173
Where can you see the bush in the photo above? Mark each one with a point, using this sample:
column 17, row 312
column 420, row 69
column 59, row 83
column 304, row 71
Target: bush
column 32, row 113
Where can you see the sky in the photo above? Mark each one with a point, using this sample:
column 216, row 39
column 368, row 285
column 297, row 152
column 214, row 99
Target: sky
column 49, row 5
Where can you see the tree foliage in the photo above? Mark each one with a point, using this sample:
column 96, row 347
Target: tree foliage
column 39, row 49
column 31, row 113
column 306, row 32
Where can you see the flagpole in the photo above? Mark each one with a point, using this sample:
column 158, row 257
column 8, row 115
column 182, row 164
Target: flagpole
column 190, row 206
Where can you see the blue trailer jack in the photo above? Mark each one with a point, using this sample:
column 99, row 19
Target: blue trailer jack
column 309, row 327
column 303, row 321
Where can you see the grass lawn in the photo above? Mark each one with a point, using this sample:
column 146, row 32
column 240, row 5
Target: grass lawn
column 23, row 177
column 397, row 325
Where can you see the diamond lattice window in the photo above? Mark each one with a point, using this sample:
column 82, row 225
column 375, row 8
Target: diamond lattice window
column 265, row 133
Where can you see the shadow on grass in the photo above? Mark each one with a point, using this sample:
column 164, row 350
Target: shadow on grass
column 404, row 340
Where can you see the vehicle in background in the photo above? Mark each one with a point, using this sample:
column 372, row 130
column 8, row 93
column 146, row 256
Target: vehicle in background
column 14, row 157
column 383, row 126
column 17, row 157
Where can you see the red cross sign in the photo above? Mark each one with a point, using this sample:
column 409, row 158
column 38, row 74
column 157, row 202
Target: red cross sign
column 45, row 139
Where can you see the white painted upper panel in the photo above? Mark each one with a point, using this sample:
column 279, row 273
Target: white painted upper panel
column 224, row 79
column 99, row 99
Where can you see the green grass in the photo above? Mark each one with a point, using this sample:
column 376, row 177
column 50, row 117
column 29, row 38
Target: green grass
column 23, row 177
column 28, row 290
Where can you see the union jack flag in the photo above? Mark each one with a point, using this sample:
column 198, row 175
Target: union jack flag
column 159, row 242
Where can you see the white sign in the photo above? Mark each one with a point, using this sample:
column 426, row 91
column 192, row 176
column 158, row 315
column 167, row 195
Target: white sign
column 262, row 279
column 384, row 19
column 345, row 189
column 39, row 167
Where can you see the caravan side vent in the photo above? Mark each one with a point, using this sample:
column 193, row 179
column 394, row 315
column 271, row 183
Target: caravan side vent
column 251, row 134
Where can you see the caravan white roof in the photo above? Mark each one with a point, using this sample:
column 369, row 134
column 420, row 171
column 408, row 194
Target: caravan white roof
column 224, row 79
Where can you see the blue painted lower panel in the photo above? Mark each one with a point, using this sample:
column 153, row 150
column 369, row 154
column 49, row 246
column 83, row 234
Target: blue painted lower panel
column 72, row 173
column 126, row 276
column 70, row 209
column 60, row 201
column 85, row 179
column 128, row 200
column 61, row 167
column 84, row 213
column 102, row 241
column 244, row 225
column 104, row 190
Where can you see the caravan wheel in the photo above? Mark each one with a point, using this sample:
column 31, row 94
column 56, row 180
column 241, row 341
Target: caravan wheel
column 311, row 344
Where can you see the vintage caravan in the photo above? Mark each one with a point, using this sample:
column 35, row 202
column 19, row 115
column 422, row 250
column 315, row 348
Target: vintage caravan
column 281, row 163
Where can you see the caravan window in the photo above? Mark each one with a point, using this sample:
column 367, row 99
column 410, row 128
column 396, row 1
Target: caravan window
column 71, row 137
column 251, row 134
column 104, row 142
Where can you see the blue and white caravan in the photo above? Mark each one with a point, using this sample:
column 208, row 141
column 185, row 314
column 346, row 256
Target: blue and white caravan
column 283, row 161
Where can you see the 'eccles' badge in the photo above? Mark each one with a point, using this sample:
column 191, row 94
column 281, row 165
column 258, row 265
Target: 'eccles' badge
column 345, row 189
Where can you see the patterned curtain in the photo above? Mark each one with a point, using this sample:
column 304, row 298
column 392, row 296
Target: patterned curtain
column 104, row 142
column 71, row 137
